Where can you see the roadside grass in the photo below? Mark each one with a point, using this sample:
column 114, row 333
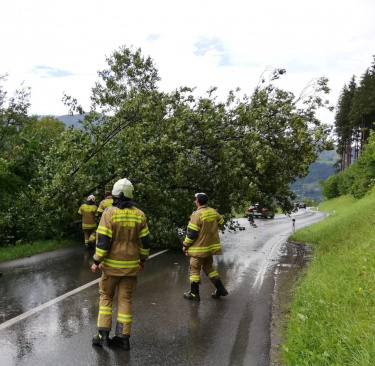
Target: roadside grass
column 332, row 317
column 337, row 204
column 26, row 250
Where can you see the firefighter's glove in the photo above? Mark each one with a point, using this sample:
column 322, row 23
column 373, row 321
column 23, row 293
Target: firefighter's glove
column 141, row 265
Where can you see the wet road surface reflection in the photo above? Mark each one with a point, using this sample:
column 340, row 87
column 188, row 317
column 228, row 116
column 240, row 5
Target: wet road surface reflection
column 167, row 329
column 30, row 282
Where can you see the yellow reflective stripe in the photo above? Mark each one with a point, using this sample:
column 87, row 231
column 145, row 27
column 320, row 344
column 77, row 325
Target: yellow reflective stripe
column 121, row 264
column 88, row 225
column 105, row 231
column 208, row 215
column 105, row 312
column 204, row 249
column 100, row 210
column 195, row 278
column 88, row 208
column 124, row 318
column 80, row 212
column 144, row 251
column 221, row 221
column 144, row 232
column 101, row 252
column 126, row 217
column 188, row 240
column 193, row 226
column 213, row 274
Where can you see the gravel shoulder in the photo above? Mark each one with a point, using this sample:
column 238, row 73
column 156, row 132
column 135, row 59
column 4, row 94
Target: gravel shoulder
column 290, row 269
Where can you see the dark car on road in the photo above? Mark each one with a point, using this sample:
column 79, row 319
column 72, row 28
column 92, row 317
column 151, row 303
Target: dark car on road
column 257, row 210
column 302, row 205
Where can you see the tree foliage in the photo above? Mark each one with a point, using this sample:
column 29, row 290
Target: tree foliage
column 172, row 145
column 358, row 178
column 355, row 116
column 15, row 165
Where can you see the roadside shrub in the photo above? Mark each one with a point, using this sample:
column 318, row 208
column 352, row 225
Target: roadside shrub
column 345, row 181
column 330, row 187
column 357, row 179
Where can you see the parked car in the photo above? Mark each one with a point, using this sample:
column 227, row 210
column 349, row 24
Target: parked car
column 257, row 210
column 302, row 205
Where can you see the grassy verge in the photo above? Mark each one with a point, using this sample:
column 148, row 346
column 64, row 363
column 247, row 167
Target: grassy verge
column 332, row 318
column 26, row 250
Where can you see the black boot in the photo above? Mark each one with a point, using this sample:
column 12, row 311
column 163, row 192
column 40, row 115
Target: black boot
column 121, row 341
column 220, row 289
column 193, row 294
column 101, row 339
column 91, row 245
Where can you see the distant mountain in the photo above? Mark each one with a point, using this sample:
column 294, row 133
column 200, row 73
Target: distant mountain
column 308, row 188
column 70, row 120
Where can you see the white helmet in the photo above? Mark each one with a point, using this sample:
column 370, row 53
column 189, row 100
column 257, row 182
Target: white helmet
column 91, row 198
column 123, row 185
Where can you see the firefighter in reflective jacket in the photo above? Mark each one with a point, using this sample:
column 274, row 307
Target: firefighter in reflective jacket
column 201, row 243
column 122, row 248
column 89, row 214
column 107, row 202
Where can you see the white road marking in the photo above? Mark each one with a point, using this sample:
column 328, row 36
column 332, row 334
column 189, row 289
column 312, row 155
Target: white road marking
column 266, row 263
column 282, row 237
column 20, row 317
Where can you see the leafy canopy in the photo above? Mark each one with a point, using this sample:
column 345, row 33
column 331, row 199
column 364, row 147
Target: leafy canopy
column 172, row 145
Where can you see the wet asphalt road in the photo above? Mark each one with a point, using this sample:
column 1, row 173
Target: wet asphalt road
column 49, row 305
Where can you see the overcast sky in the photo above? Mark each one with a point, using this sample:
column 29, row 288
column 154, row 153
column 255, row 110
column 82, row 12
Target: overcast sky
column 56, row 47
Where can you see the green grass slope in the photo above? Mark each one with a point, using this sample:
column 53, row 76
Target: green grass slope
column 332, row 317
column 27, row 250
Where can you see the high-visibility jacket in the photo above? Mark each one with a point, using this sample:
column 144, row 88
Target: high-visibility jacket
column 89, row 213
column 202, row 236
column 123, row 239
column 107, row 202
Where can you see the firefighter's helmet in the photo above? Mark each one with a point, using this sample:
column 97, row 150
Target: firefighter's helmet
column 91, row 198
column 123, row 186
column 202, row 198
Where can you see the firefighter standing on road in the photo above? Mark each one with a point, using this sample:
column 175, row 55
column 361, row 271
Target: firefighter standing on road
column 107, row 202
column 122, row 248
column 89, row 214
column 201, row 243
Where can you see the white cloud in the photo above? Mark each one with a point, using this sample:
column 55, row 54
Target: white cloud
column 195, row 43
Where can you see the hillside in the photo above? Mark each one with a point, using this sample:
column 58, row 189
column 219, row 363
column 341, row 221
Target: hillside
column 330, row 320
column 308, row 188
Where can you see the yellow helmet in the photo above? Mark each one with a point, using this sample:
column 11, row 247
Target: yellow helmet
column 123, row 186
